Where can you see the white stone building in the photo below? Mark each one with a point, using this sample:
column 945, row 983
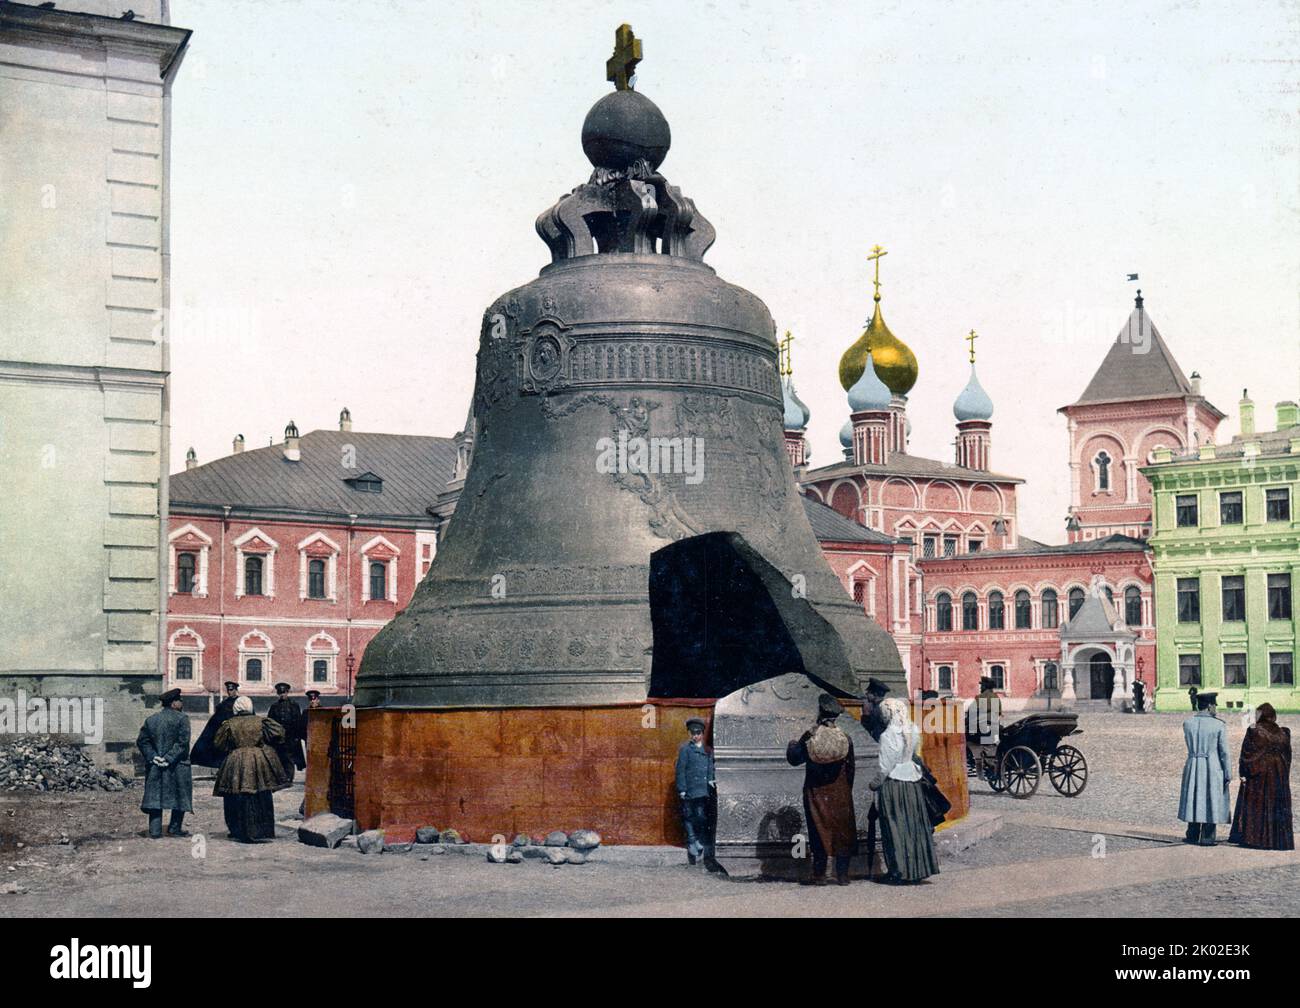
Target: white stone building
column 84, row 121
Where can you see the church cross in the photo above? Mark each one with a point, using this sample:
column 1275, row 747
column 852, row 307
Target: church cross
column 784, row 367
column 876, row 253
column 971, row 340
column 620, row 67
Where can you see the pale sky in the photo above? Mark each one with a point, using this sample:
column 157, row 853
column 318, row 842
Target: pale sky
column 353, row 183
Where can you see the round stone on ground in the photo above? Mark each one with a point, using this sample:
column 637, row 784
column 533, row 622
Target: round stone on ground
column 584, row 840
column 557, row 838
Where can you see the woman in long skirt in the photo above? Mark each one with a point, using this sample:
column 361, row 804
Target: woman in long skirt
column 250, row 772
column 904, row 820
column 1263, row 814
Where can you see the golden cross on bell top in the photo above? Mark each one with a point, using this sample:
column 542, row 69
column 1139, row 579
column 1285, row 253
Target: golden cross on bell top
column 784, row 367
column 620, row 67
column 876, row 253
column 971, row 340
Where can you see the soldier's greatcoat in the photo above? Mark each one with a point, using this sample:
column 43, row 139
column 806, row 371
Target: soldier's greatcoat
column 166, row 734
column 1204, row 797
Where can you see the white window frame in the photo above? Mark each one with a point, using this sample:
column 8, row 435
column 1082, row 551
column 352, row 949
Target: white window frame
column 315, row 652
column 268, row 568
column 391, row 573
column 934, row 677
column 194, row 652
column 331, row 568
column 986, row 664
column 201, row 570
column 266, row 654
column 422, row 539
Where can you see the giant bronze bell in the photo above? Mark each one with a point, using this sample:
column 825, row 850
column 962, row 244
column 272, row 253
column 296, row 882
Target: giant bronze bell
column 541, row 593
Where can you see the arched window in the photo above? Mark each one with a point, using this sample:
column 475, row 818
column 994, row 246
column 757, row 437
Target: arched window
column 378, row 580
column 997, row 611
column 253, row 575
column 1024, row 618
column 316, row 579
column 1076, row 601
column 1102, row 462
column 185, row 573
column 1051, row 614
column 253, row 669
column 970, row 612
column 943, row 611
column 1049, row 676
column 185, row 669
column 320, row 671
column 945, row 678
column 1109, row 593
column 1133, row 606
column 998, row 674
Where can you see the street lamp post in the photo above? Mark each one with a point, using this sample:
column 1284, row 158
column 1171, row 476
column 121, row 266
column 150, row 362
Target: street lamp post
column 352, row 664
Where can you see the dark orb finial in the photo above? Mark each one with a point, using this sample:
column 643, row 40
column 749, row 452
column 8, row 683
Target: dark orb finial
column 624, row 127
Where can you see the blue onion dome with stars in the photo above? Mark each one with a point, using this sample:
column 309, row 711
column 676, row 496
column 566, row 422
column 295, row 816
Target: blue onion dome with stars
column 869, row 392
column 973, row 403
column 796, row 414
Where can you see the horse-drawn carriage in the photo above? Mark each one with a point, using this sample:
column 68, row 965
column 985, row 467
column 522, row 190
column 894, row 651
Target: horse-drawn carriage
column 1027, row 748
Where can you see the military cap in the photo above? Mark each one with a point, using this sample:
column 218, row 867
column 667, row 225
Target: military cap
column 231, row 684
column 828, row 706
column 170, row 697
column 929, row 694
column 986, row 682
column 282, row 687
column 313, row 694
column 1204, row 700
column 694, row 723
column 876, row 688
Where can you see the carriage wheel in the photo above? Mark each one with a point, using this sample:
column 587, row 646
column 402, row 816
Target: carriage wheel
column 1021, row 772
column 1068, row 771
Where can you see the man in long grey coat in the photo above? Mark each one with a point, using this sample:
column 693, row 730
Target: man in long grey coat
column 164, row 742
column 1204, row 799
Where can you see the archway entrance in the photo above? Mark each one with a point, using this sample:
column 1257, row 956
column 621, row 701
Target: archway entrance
column 1101, row 676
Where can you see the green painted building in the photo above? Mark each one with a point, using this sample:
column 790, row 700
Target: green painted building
column 1226, row 545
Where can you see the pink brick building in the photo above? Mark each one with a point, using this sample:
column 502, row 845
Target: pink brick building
column 283, row 562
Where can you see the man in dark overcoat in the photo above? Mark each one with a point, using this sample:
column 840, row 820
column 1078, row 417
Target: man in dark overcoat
column 164, row 741
column 205, row 753
column 826, row 753
column 291, row 718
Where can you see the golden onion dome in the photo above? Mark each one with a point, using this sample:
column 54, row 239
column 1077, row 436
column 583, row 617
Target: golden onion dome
column 893, row 359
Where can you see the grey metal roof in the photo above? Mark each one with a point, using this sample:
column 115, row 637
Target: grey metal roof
column 414, row 470
column 1108, row 544
column 1095, row 616
column 829, row 525
column 910, row 465
column 1139, row 365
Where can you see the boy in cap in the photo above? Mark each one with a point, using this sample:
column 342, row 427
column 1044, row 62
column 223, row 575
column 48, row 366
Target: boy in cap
column 695, row 779
column 164, row 741
column 1203, row 801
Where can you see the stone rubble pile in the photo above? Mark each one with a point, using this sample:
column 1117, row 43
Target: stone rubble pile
column 42, row 763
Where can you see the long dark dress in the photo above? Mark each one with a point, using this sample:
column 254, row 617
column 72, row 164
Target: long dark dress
column 1263, row 814
column 291, row 718
column 250, row 772
column 827, row 802
column 905, row 827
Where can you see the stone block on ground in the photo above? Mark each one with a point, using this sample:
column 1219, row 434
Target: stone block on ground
column 397, row 848
column 557, row 838
column 557, row 856
column 576, row 857
column 371, row 841
column 427, row 835
column 521, row 840
column 324, row 830
column 584, row 840
column 450, row 836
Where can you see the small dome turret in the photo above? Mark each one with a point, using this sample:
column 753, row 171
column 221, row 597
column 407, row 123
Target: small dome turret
column 869, row 392
column 973, row 403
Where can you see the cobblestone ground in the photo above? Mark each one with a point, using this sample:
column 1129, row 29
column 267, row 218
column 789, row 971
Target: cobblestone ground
column 1111, row 852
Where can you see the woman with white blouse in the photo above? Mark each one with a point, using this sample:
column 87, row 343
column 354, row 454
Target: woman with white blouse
column 904, row 820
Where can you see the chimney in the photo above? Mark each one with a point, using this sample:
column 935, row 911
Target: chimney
column 1288, row 414
column 1196, row 383
column 291, row 451
column 1247, row 409
column 191, row 459
column 345, row 420
column 238, row 445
